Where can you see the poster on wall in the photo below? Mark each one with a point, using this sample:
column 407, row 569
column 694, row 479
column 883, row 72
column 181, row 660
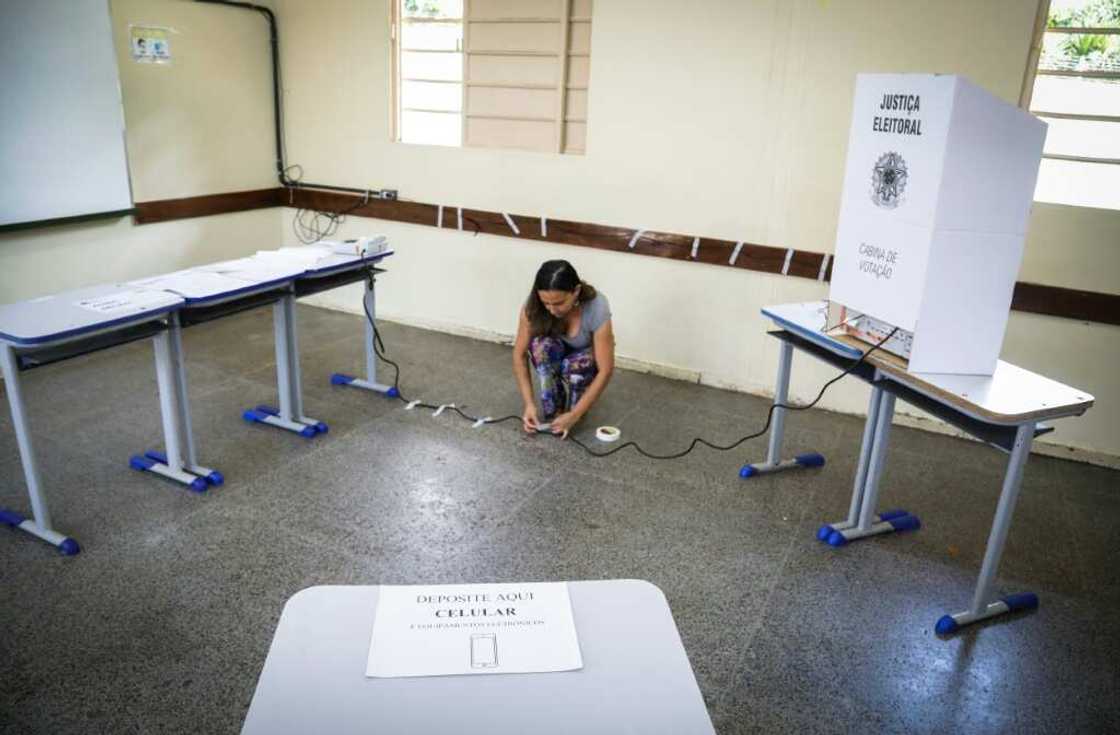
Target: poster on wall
column 150, row 45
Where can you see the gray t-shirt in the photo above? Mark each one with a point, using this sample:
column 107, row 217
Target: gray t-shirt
column 595, row 314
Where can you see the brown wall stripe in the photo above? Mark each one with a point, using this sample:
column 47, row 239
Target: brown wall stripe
column 1087, row 306
column 165, row 210
column 1029, row 297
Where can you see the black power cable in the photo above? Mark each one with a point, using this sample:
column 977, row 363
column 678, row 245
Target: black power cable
column 379, row 350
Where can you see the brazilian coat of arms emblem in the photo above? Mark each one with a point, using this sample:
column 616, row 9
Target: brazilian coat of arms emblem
column 888, row 180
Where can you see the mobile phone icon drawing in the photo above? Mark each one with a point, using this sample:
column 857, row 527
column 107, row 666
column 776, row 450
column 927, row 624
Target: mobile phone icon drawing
column 484, row 650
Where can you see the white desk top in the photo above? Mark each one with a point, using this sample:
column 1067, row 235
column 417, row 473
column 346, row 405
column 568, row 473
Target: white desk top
column 1011, row 395
column 72, row 314
column 268, row 269
column 196, row 285
column 336, row 263
column 636, row 677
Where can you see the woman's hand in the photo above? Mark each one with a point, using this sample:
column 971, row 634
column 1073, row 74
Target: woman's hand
column 564, row 423
column 529, row 419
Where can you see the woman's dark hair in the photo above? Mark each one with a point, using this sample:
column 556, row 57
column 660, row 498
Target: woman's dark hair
column 553, row 275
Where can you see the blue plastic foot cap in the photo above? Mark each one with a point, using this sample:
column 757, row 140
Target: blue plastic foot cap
column 251, row 416
column 321, row 427
column 215, row 478
column 308, row 432
column 137, row 462
column 748, row 471
column 836, row 539
column 199, row 485
column 1021, row 601
column 893, row 513
column 946, row 625
column 69, row 547
column 824, row 532
column 11, row 518
column 340, row 379
column 393, row 393
column 812, row 459
column 905, row 523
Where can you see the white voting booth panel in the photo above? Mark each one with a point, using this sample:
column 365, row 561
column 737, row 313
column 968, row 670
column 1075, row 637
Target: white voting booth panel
column 937, row 192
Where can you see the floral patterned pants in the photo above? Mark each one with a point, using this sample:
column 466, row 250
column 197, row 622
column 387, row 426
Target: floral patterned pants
column 563, row 373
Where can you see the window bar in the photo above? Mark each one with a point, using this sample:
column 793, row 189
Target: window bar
column 466, row 75
column 562, row 84
column 1076, row 116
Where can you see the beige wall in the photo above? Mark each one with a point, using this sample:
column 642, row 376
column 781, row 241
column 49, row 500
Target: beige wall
column 199, row 125
column 724, row 119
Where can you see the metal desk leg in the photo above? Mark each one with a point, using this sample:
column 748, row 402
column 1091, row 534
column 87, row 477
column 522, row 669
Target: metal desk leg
column 179, row 462
column 289, row 415
column 865, row 494
column 774, row 461
column 41, row 526
column 983, row 605
column 370, row 381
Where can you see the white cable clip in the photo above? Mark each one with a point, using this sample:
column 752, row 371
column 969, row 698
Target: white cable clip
column 411, row 405
column 785, row 266
column 824, row 266
column 544, row 227
column 695, row 247
column 636, row 236
column 460, row 210
column 439, row 216
column 735, row 253
column 480, row 422
column 440, row 409
column 511, row 223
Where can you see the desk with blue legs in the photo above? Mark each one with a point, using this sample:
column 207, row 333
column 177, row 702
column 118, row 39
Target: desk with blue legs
column 51, row 329
column 204, row 293
column 219, row 290
column 369, row 306
column 328, row 273
column 47, row 330
column 1004, row 410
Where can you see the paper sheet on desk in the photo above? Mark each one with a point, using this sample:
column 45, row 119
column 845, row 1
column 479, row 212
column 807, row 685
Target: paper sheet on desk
column 191, row 283
column 439, row 630
column 127, row 301
column 304, row 257
column 254, row 269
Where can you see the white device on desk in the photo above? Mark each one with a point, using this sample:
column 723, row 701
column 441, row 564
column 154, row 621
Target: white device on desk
column 363, row 246
column 867, row 328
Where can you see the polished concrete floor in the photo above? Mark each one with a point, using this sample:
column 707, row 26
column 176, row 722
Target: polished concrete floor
column 163, row 621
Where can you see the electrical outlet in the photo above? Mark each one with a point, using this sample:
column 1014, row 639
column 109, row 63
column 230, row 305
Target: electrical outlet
column 389, row 194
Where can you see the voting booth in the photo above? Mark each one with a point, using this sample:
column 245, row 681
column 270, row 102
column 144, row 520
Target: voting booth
column 937, row 192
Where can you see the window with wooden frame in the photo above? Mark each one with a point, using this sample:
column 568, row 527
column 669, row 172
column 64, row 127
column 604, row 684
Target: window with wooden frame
column 1073, row 84
column 492, row 73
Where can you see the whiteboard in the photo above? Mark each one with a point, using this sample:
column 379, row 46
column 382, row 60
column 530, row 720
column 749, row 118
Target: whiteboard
column 62, row 147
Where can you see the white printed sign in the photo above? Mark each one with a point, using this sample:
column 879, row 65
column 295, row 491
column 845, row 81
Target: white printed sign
column 122, row 303
column 440, row 630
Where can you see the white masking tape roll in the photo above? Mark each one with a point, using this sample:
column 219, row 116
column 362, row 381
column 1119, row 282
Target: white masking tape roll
column 608, row 433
